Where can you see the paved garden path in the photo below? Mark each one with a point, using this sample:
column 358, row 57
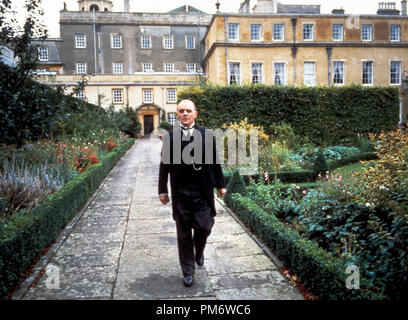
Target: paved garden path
column 122, row 245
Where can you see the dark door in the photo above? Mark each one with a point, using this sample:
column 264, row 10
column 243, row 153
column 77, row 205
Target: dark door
column 148, row 124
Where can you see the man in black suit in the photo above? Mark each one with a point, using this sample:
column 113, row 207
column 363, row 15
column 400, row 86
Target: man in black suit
column 189, row 156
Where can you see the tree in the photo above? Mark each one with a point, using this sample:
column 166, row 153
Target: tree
column 20, row 112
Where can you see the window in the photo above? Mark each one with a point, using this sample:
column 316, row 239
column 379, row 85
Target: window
column 279, row 74
column 146, row 42
column 147, row 67
column 234, row 73
column 80, row 41
column 256, row 32
column 337, row 32
column 368, row 72
column 81, row 68
column 308, row 32
column 79, row 94
column 117, row 68
column 191, row 67
column 116, row 41
column 278, row 32
column 309, row 74
column 256, row 73
column 171, row 96
column 43, row 53
column 338, row 72
column 395, row 33
column 190, row 42
column 172, row 118
column 168, row 42
column 117, row 95
column 147, row 96
column 233, row 31
column 367, row 32
column 169, row 67
column 395, row 72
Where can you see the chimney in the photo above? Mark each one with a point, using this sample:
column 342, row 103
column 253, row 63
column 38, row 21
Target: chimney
column 404, row 8
column 387, row 8
column 126, row 5
column 244, row 8
column 338, row 11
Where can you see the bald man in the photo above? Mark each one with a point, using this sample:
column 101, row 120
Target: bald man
column 193, row 177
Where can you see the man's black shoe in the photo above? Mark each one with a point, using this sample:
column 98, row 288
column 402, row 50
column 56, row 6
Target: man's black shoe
column 188, row 281
column 200, row 260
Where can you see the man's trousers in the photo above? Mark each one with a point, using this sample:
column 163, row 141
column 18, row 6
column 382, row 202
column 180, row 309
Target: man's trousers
column 192, row 213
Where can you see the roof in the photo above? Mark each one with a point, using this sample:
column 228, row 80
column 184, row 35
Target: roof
column 187, row 9
column 299, row 9
column 53, row 53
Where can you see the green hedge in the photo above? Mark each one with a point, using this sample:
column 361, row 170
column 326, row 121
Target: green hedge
column 364, row 156
column 326, row 115
column 301, row 176
column 25, row 237
column 323, row 274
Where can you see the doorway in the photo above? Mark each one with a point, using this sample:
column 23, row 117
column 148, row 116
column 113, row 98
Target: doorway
column 148, row 124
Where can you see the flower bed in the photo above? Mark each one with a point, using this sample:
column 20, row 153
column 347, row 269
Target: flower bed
column 322, row 273
column 26, row 234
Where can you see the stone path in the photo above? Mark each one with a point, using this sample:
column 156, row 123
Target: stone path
column 122, row 245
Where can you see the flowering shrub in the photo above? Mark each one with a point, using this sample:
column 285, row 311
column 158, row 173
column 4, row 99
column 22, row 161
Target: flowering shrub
column 110, row 146
column 387, row 177
column 83, row 161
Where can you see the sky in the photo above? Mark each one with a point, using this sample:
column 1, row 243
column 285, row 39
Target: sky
column 52, row 7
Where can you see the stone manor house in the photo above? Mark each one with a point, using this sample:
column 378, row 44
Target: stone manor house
column 141, row 60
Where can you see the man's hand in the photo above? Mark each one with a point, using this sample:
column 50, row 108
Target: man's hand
column 164, row 199
column 221, row 192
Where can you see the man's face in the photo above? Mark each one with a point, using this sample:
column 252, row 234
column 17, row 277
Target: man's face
column 186, row 114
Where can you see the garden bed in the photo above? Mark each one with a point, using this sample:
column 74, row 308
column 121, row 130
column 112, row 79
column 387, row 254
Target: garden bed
column 26, row 235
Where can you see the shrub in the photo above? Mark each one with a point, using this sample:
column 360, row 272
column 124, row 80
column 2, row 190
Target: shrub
column 322, row 273
column 284, row 133
column 235, row 185
column 325, row 115
column 320, row 164
column 23, row 188
column 384, row 178
column 165, row 125
column 25, row 236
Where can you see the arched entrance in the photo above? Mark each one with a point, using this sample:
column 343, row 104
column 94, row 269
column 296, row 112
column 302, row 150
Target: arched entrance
column 94, row 7
column 149, row 118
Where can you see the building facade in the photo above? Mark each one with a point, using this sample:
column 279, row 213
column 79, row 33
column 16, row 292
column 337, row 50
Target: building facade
column 141, row 60
column 130, row 59
column 306, row 49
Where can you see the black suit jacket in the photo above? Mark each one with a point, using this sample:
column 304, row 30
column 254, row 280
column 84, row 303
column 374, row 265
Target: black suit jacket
column 212, row 176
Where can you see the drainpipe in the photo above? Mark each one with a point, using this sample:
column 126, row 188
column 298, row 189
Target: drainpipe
column 94, row 30
column 226, row 48
column 199, row 41
column 294, row 49
column 329, row 55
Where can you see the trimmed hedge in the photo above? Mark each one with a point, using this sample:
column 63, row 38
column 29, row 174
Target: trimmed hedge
column 25, row 237
column 323, row 274
column 310, row 175
column 364, row 156
column 326, row 115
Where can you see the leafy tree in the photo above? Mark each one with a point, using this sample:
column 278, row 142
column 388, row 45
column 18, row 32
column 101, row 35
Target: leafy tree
column 21, row 111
